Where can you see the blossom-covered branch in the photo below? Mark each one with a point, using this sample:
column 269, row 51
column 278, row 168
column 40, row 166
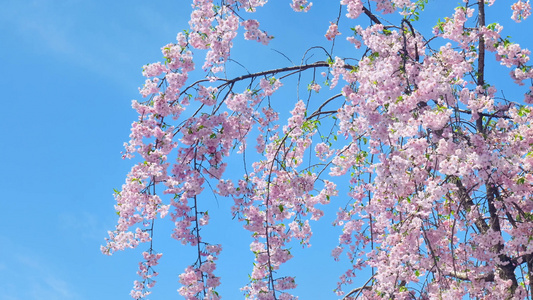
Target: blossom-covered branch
column 438, row 169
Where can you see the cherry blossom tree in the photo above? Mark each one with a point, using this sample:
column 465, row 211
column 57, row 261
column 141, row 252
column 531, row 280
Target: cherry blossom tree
column 437, row 161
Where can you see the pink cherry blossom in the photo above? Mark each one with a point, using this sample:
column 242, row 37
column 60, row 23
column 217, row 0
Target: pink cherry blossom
column 428, row 164
column 521, row 10
column 332, row 32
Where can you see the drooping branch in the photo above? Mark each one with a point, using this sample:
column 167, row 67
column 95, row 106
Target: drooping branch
column 469, row 204
column 481, row 57
column 493, row 115
column 319, row 109
column 451, row 145
column 530, row 274
column 371, row 15
column 359, row 290
column 471, row 277
column 506, row 266
column 318, row 64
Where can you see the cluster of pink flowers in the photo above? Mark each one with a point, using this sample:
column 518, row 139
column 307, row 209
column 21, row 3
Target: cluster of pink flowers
column 268, row 87
column 254, row 33
column 200, row 279
column 454, row 28
column 301, row 5
column 355, row 8
column 146, row 272
column 332, row 32
column 521, row 10
column 439, row 168
column 512, row 55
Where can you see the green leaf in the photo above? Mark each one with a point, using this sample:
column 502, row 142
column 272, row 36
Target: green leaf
column 373, row 56
column 492, row 26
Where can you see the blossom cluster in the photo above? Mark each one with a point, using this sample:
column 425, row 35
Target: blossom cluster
column 438, row 167
column 521, row 10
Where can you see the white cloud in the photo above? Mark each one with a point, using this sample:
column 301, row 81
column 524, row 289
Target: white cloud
column 26, row 275
column 69, row 32
column 37, row 23
column 84, row 223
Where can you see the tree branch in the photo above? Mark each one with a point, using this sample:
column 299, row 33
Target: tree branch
column 318, row 64
column 371, row 15
column 359, row 290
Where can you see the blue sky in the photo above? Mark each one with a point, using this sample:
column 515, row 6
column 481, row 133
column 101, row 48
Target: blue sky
column 70, row 69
